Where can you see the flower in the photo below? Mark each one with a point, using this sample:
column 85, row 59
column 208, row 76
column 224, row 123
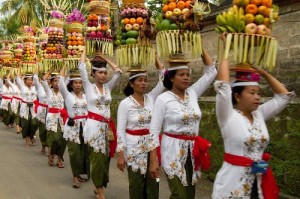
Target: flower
column 75, row 16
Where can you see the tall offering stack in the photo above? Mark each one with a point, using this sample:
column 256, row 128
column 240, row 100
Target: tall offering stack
column 179, row 28
column 249, row 25
column 133, row 37
column 18, row 50
column 43, row 39
column 98, row 32
column 29, row 58
column 75, row 40
column 6, row 55
column 55, row 47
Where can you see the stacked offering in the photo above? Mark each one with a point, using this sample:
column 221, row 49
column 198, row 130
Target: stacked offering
column 98, row 32
column 250, row 25
column 29, row 50
column 179, row 28
column 43, row 39
column 6, row 55
column 133, row 38
column 18, row 50
column 75, row 40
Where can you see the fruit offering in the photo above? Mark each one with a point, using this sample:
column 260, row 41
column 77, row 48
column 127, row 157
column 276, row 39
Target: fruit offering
column 251, row 17
column 98, row 32
column 29, row 52
column 18, row 49
column 179, row 27
column 54, row 48
column 249, row 23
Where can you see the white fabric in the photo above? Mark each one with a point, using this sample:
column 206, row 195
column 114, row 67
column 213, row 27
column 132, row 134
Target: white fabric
column 94, row 131
column 75, row 78
column 244, row 139
column 7, row 92
column 29, row 94
column 177, row 68
column 99, row 69
column 16, row 93
column 137, row 75
column 176, row 116
column 244, row 84
column 76, row 107
column 41, row 111
column 132, row 116
column 54, row 100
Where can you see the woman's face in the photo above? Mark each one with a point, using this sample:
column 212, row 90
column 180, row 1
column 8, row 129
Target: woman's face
column 77, row 86
column 28, row 81
column 249, row 99
column 140, row 84
column 54, row 83
column 100, row 76
column 181, row 80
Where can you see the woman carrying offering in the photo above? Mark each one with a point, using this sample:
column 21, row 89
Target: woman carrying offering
column 54, row 120
column 134, row 116
column 27, row 114
column 177, row 112
column 98, row 129
column 241, row 117
column 7, row 94
column 41, row 110
column 16, row 105
column 76, row 105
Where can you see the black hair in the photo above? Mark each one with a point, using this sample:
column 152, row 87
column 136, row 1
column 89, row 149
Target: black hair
column 128, row 90
column 69, row 86
column 168, row 84
column 238, row 90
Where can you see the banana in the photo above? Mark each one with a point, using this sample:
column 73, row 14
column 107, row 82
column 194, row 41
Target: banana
column 235, row 22
column 241, row 11
column 235, row 9
column 229, row 19
column 220, row 20
column 230, row 29
column 222, row 29
column 217, row 30
column 242, row 26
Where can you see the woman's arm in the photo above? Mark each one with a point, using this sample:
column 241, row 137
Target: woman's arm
column 83, row 72
column 61, row 84
column 159, row 88
column 45, row 83
column 121, row 131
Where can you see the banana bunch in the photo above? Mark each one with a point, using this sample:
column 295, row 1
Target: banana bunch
column 231, row 21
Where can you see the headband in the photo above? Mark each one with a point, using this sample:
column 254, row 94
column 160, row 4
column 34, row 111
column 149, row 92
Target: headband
column 75, row 78
column 99, row 69
column 177, row 68
column 54, row 76
column 137, row 75
column 244, row 84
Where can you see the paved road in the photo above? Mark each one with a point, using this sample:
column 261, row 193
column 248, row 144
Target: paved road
column 24, row 173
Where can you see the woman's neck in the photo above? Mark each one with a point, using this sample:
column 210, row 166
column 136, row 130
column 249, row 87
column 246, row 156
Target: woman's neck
column 138, row 96
column 77, row 93
column 55, row 90
column 245, row 112
column 180, row 93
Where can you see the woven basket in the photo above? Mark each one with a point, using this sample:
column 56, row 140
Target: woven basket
column 99, row 7
column 75, row 27
column 133, row 1
column 28, row 39
column 58, row 23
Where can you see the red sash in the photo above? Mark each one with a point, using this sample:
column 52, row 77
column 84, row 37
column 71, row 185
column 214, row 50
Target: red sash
column 138, row 132
column 110, row 122
column 79, row 117
column 6, row 97
column 17, row 98
column 37, row 104
column 63, row 113
column 200, row 151
column 268, row 186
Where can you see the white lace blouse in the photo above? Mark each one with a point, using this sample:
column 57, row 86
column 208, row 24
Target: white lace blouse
column 242, row 138
column 95, row 132
column 182, row 117
column 41, row 111
column 132, row 116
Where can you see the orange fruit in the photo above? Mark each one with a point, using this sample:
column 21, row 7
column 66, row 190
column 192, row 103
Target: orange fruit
column 126, row 21
column 267, row 3
column 132, row 21
column 165, row 8
column 139, row 20
column 180, row 5
column 74, row 43
column 80, row 43
column 267, row 13
column 188, row 4
column 262, row 10
column 172, row 6
column 256, row 2
column 251, row 9
column 69, row 43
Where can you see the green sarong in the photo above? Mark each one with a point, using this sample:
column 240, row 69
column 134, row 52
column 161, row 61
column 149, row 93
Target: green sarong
column 17, row 116
column 79, row 159
column 8, row 116
column 29, row 126
column 178, row 191
column 142, row 186
column 99, row 168
column 57, row 143
column 42, row 133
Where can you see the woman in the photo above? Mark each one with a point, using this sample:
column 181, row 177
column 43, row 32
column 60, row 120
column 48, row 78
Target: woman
column 54, row 122
column 27, row 114
column 76, row 104
column 97, row 131
column 178, row 113
column 7, row 94
column 41, row 110
column 134, row 116
column 242, row 118
column 16, row 105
